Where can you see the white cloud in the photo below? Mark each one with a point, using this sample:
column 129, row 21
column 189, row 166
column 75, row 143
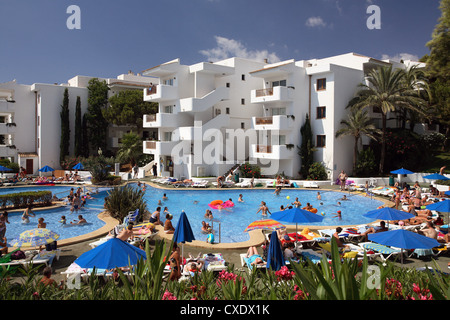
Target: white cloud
column 228, row 48
column 400, row 56
column 313, row 22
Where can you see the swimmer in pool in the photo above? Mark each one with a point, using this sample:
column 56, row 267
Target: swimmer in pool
column 263, row 208
column 81, row 220
column 27, row 214
column 240, row 198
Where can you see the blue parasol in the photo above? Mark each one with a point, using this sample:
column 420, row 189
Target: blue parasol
column 296, row 215
column 436, row 176
column 389, row 214
column 78, row 166
column 403, row 239
column 114, row 253
column 2, row 168
column 46, row 169
column 402, row 171
column 183, row 231
column 275, row 257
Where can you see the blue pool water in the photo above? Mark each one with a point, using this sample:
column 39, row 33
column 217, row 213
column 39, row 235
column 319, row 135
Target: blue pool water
column 234, row 222
column 53, row 216
column 195, row 202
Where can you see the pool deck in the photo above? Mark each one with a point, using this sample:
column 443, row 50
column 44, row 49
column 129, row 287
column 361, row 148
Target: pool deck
column 256, row 236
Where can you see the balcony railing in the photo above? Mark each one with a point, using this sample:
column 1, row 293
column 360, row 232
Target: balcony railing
column 150, row 118
column 150, row 145
column 264, row 92
column 263, row 149
column 264, row 120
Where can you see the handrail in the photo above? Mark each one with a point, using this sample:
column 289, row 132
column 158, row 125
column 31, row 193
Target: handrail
column 264, row 92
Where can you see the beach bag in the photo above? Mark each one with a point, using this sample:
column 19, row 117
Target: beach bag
column 17, row 255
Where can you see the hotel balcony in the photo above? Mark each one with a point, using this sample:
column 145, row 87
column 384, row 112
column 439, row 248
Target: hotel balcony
column 203, row 132
column 275, row 152
column 159, row 147
column 273, row 95
column 165, row 120
column 280, row 123
column 160, row 92
column 205, row 102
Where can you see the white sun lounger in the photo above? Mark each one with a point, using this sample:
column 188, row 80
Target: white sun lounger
column 310, row 184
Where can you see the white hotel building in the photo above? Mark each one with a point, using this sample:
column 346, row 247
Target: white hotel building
column 30, row 122
column 257, row 109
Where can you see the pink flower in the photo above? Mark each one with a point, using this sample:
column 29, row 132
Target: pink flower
column 168, row 296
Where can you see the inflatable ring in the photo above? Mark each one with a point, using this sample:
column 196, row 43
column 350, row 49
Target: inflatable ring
column 380, row 207
column 313, row 210
column 216, row 202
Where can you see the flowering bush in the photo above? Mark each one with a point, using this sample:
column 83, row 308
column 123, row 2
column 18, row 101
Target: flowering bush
column 284, row 274
column 250, row 170
column 317, row 172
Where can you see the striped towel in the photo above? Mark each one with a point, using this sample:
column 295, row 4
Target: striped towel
column 380, row 248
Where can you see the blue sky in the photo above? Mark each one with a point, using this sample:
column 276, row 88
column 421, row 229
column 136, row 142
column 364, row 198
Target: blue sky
column 117, row 36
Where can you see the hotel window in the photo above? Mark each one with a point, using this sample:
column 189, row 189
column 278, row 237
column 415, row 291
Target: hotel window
column 243, row 77
column 168, row 109
column 168, row 82
column 280, row 83
column 227, row 110
column 320, row 143
column 243, row 101
column 321, row 84
column 242, row 125
column 321, row 112
column 167, row 136
column 228, row 84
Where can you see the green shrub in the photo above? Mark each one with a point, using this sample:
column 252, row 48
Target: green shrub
column 24, row 199
column 366, row 164
column 317, row 172
column 121, row 200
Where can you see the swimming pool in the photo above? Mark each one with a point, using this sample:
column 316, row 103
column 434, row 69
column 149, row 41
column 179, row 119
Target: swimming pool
column 53, row 216
column 233, row 222
column 195, row 202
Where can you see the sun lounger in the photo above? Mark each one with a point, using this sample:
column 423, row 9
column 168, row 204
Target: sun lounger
column 384, row 250
column 310, row 255
column 214, row 262
column 245, row 262
column 310, row 184
column 244, row 184
column 32, row 258
column 346, row 253
column 200, row 184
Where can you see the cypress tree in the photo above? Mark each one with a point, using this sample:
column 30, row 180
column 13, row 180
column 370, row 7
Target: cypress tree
column 78, row 129
column 65, row 127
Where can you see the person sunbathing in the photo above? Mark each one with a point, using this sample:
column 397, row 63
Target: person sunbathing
column 382, row 228
column 253, row 257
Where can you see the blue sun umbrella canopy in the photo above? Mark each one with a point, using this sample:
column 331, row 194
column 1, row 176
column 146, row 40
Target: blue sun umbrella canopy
column 402, row 171
column 46, row 169
column 441, row 206
column 447, row 193
column 403, row 239
column 183, row 231
column 436, row 176
column 388, row 214
column 2, row 168
column 78, row 166
column 114, row 253
column 296, row 215
column 275, row 257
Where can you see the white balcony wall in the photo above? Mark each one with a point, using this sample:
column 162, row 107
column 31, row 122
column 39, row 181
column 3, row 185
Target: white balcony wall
column 272, row 95
column 206, row 102
column 161, row 93
column 168, row 120
column 279, row 123
column 275, row 152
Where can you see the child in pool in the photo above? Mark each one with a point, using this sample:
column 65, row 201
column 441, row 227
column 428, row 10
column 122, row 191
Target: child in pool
column 240, row 198
column 63, row 220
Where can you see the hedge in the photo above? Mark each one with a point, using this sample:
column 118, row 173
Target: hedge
column 24, row 199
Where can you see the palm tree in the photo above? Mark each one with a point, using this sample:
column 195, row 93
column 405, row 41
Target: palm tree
column 357, row 125
column 386, row 91
column 131, row 148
